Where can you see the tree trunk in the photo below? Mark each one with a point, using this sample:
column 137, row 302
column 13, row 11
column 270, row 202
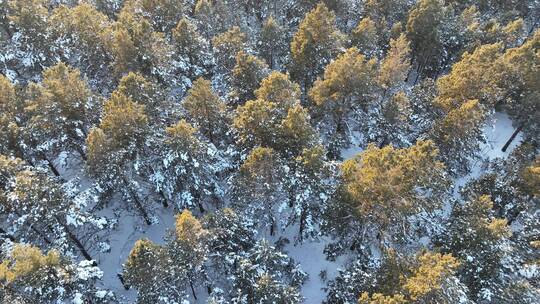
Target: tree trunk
column 272, row 223
column 192, row 289
column 139, row 206
column 82, row 154
column 197, row 196
column 302, row 225
column 75, row 240
column 511, row 139
column 51, row 166
column 164, row 202
column 121, row 278
column 36, row 230
column 137, row 202
column 9, row 236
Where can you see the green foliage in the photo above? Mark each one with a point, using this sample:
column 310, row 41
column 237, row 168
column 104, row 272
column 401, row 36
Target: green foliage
column 227, row 45
column 247, row 74
column 59, row 109
column 206, row 110
column 316, row 42
column 386, row 185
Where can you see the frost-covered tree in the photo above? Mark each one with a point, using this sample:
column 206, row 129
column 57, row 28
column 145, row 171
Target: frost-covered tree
column 60, row 112
column 230, row 236
column 11, row 109
column 510, row 182
column 381, row 188
column 27, row 275
column 188, row 250
column 458, row 134
column 192, row 48
column 255, row 123
column 79, row 32
column 309, row 188
column 365, row 37
column 475, row 236
column 184, row 172
column 118, row 141
column 259, row 187
column 470, row 78
column 424, row 30
column 425, row 277
column 226, row 45
column 135, row 46
column 247, row 74
column 396, row 64
column 146, row 270
column 393, row 121
column 272, row 42
column 316, row 42
column 519, row 78
column 146, row 92
column 347, row 86
column 279, row 89
column 36, row 207
column 265, row 275
column 162, row 14
column 28, row 28
column 206, row 111
column 162, row 274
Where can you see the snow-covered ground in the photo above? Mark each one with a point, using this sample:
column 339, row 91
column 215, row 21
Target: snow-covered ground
column 309, row 254
column 497, row 131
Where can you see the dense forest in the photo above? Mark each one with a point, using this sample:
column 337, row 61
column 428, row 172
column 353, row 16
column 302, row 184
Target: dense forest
column 269, row 151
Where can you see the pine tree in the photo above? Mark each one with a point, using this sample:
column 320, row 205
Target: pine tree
column 192, row 47
column 255, row 123
column 272, row 46
column 384, row 186
column 41, row 210
column 471, row 78
column 188, row 249
column 79, row 31
column 396, row 64
column 424, row 32
column 457, row 135
column 259, row 188
column 309, row 190
column 144, row 269
column 247, row 74
column 230, row 236
column 477, row 237
column 10, row 109
column 145, row 92
column 295, row 131
column 348, row 84
column 117, row 140
column 206, row 110
column 425, row 277
column 226, row 45
column 394, row 122
column 29, row 276
column 135, row 46
column 29, row 18
column 520, row 82
column 185, row 172
column 60, row 111
column 162, row 14
column 508, row 182
column 266, row 275
column 364, row 37
column 279, row 89
column 316, row 42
